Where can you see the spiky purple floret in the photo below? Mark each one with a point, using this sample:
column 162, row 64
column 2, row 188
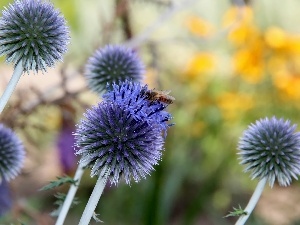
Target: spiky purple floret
column 11, row 154
column 271, row 149
column 112, row 64
column 132, row 96
column 34, row 32
column 109, row 138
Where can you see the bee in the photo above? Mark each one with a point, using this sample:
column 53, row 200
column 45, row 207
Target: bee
column 161, row 96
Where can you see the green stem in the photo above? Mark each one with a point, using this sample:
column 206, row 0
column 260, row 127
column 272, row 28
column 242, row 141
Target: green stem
column 253, row 201
column 93, row 200
column 11, row 85
column 70, row 196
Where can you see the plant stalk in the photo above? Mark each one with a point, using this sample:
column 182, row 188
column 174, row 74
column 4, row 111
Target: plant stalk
column 11, row 85
column 70, row 196
column 93, row 200
column 253, row 201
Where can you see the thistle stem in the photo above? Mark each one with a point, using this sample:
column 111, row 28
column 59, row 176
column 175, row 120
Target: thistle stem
column 70, row 196
column 253, row 201
column 93, row 200
column 11, row 85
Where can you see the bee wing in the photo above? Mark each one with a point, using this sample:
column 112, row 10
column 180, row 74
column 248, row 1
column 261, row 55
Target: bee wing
column 171, row 97
column 166, row 92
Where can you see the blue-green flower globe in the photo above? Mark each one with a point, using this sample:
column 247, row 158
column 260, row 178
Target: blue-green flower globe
column 112, row 64
column 110, row 140
column 270, row 149
column 34, row 32
column 11, row 154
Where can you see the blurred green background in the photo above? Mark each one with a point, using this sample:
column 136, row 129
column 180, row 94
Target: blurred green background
column 227, row 63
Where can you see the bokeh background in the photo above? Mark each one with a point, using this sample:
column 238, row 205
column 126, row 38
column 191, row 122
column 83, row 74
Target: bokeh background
column 228, row 63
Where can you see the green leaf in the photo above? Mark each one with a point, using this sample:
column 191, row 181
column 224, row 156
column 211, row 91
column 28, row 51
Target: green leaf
column 60, row 198
column 237, row 212
column 60, row 181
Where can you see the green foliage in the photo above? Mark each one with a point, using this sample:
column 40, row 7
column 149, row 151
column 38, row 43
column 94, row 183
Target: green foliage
column 60, row 181
column 237, row 212
column 60, row 198
column 5, row 3
column 70, row 13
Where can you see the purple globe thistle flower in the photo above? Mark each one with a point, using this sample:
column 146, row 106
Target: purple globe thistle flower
column 111, row 139
column 65, row 143
column 133, row 97
column 112, row 64
column 34, row 32
column 11, row 154
column 271, row 149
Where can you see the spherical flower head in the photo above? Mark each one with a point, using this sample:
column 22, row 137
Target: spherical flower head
column 111, row 141
column 132, row 96
column 271, row 149
column 112, row 64
column 34, row 32
column 11, row 154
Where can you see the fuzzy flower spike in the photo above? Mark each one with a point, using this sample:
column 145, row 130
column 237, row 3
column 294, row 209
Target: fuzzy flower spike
column 121, row 137
column 111, row 64
column 132, row 96
column 33, row 36
column 270, row 149
column 33, row 32
column 110, row 139
column 11, row 154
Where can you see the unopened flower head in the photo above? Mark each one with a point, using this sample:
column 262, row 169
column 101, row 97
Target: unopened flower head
column 112, row 64
column 270, row 149
column 132, row 96
column 110, row 140
column 11, row 154
column 34, row 32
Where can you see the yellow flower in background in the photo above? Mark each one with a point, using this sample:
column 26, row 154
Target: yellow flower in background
column 275, row 37
column 233, row 104
column 290, row 64
column 256, row 53
column 295, row 61
column 200, row 64
column 241, row 14
column 281, row 78
column 288, row 84
column 293, row 44
column 239, row 20
column 293, row 88
column 276, row 63
column 199, row 27
column 249, row 62
column 284, row 67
